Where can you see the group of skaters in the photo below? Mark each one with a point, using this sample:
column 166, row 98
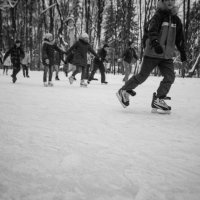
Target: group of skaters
column 165, row 31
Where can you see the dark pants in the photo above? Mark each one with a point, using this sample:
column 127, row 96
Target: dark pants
column 79, row 69
column 25, row 70
column 101, row 67
column 5, row 69
column 47, row 68
column 16, row 69
column 166, row 68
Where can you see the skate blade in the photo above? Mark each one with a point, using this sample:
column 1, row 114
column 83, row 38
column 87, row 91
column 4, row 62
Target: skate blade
column 120, row 100
column 159, row 111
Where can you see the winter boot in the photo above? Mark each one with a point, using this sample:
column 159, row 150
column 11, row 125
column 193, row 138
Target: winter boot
column 159, row 105
column 123, row 97
column 83, row 84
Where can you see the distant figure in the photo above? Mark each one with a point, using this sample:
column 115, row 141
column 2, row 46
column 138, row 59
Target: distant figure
column 98, row 64
column 48, row 48
column 129, row 57
column 25, row 64
column 81, row 48
column 7, row 63
column 17, row 54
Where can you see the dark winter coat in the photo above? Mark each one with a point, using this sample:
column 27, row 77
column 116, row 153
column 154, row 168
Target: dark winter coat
column 102, row 53
column 80, row 50
column 129, row 55
column 166, row 28
column 48, row 49
column 57, row 58
column 16, row 54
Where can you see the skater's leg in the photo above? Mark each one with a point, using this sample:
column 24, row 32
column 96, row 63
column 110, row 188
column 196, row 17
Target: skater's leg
column 102, row 71
column 83, row 72
column 24, row 70
column 78, row 70
column 148, row 65
column 127, row 68
column 50, row 72
column 167, row 70
column 95, row 67
column 46, row 67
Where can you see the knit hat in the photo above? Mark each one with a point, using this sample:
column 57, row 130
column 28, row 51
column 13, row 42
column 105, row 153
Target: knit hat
column 84, row 35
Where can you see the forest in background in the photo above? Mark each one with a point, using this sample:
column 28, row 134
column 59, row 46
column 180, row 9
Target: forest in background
column 106, row 21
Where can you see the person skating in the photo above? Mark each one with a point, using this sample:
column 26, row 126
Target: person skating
column 165, row 31
column 25, row 64
column 81, row 48
column 48, row 48
column 6, row 65
column 98, row 64
column 129, row 57
column 16, row 54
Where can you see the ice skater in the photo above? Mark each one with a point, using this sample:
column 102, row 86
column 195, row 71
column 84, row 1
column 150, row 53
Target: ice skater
column 129, row 57
column 164, row 32
column 98, row 64
column 48, row 48
column 81, row 48
column 25, row 64
column 6, row 65
column 16, row 54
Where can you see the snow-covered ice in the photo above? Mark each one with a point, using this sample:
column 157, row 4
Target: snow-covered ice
column 72, row 143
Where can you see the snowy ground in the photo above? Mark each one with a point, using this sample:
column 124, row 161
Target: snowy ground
column 72, row 143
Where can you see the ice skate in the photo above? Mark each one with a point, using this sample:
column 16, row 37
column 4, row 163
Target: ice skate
column 50, row 84
column 71, row 79
column 45, row 84
column 123, row 98
column 104, row 83
column 83, row 84
column 57, row 78
column 159, row 105
column 14, row 79
column 131, row 92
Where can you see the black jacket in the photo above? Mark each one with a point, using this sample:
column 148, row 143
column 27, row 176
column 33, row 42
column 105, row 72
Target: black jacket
column 129, row 54
column 48, row 49
column 166, row 28
column 80, row 49
column 16, row 54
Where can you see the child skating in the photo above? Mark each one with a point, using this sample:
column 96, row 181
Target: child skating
column 48, row 48
column 164, row 33
column 81, row 48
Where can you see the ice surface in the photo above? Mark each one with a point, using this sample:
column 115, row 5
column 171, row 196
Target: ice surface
column 72, row 143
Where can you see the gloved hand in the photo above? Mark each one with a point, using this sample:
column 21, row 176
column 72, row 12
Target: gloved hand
column 157, row 47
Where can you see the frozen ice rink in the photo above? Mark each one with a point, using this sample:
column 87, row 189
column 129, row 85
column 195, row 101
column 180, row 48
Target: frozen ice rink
column 72, row 143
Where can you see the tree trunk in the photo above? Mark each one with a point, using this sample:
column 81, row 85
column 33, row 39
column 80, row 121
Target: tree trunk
column 1, row 33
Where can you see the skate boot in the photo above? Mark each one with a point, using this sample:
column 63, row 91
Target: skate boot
column 131, row 92
column 159, row 105
column 123, row 97
column 14, row 79
column 71, row 79
column 50, row 84
column 45, row 84
column 57, row 78
column 83, row 84
column 104, row 83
